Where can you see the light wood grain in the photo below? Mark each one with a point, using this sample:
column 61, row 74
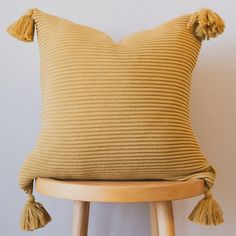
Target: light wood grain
column 80, row 218
column 165, row 218
column 120, row 191
column 159, row 194
column 153, row 219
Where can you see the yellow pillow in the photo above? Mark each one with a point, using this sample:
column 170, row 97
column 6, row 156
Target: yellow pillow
column 117, row 111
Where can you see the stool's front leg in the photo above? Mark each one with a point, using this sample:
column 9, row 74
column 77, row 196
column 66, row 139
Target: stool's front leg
column 153, row 219
column 164, row 217
column 80, row 218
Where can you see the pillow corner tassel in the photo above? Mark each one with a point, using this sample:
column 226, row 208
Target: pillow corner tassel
column 23, row 28
column 207, row 211
column 205, row 24
column 34, row 215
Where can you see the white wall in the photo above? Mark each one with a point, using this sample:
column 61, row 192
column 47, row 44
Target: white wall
column 213, row 112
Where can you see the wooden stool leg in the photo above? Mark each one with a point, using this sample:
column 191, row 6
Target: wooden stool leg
column 80, row 218
column 153, row 219
column 165, row 218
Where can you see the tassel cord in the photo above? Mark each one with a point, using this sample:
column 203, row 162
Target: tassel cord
column 34, row 215
column 207, row 211
column 206, row 24
column 23, row 28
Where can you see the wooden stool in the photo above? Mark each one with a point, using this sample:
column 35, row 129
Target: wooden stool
column 159, row 194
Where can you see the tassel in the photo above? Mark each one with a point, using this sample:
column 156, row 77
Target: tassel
column 34, row 215
column 206, row 24
column 23, row 29
column 207, row 211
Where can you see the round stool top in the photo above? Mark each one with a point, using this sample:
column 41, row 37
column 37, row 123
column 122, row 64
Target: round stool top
column 120, row 191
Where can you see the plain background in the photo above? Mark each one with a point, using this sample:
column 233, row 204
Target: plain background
column 213, row 112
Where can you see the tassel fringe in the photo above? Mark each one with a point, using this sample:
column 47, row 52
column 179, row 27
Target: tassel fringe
column 34, row 215
column 23, row 29
column 206, row 24
column 207, row 211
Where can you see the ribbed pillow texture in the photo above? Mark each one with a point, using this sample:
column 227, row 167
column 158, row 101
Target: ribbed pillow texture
column 116, row 110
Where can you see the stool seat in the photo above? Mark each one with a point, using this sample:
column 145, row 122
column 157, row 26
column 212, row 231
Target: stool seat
column 120, row 191
column 159, row 194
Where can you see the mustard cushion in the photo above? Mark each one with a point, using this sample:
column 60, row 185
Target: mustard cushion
column 116, row 111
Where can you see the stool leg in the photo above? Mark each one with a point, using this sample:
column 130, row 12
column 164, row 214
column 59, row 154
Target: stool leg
column 153, row 219
column 80, row 218
column 165, row 218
